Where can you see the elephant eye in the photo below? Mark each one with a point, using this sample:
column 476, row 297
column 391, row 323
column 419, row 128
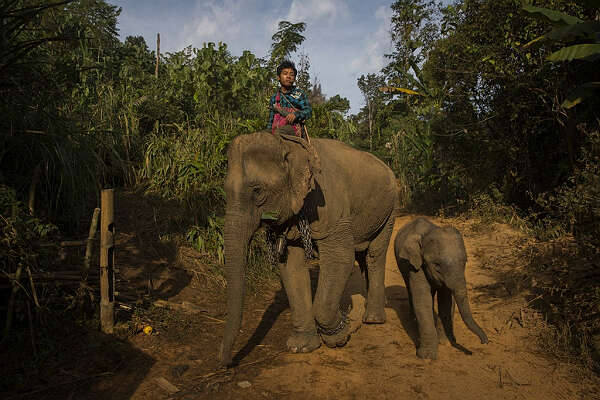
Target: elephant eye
column 259, row 195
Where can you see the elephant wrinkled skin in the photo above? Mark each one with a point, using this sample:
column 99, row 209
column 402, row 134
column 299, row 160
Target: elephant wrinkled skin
column 432, row 260
column 350, row 200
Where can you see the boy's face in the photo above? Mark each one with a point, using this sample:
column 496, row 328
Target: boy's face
column 287, row 77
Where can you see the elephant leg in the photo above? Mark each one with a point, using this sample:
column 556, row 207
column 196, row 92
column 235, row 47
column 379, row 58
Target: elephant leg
column 437, row 318
column 296, row 280
column 361, row 259
column 376, row 255
column 404, row 270
column 446, row 314
column 423, row 307
column 336, row 253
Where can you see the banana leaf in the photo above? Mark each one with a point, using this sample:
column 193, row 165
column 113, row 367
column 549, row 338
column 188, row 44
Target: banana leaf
column 576, row 52
column 552, row 15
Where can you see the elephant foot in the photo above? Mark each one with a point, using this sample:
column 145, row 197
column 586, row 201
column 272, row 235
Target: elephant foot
column 374, row 317
column 338, row 336
column 428, row 352
column 303, row 342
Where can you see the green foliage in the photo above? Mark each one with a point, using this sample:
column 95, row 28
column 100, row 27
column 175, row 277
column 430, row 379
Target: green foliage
column 208, row 239
column 189, row 164
column 286, row 40
column 576, row 203
column 25, row 241
column 572, row 30
column 338, row 103
column 374, row 101
column 330, row 123
column 413, row 30
column 488, row 105
column 54, row 60
column 557, row 17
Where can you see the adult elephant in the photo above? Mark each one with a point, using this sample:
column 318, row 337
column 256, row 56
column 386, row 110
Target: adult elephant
column 349, row 199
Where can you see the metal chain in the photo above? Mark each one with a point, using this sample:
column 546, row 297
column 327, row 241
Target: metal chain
column 303, row 228
column 332, row 331
column 272, row 254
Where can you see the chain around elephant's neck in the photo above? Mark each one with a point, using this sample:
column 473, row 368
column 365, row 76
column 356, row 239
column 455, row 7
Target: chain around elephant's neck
column 303, row 229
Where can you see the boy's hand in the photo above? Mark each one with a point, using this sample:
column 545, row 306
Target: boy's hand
column 290, row 118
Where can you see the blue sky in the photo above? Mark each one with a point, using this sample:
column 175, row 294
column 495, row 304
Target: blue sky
column 344, row 39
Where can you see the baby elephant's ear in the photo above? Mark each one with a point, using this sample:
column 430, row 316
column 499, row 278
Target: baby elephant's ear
column 412, row 248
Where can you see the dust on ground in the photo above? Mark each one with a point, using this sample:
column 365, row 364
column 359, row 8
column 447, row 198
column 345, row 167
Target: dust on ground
column 179, row 359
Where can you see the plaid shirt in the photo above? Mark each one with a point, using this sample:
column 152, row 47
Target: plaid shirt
column 298, row 100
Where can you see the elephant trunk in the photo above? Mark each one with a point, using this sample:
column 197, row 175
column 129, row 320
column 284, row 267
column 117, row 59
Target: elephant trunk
column 462, row 301
column 238, row 231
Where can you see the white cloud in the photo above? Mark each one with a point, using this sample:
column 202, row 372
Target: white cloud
column 215, row 22
column 311, row 11
column 377, row 43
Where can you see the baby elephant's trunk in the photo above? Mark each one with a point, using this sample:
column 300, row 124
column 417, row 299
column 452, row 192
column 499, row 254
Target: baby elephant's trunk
column 462, row 301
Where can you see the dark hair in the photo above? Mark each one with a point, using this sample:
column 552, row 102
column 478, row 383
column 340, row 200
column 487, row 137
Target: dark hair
column 286, row 64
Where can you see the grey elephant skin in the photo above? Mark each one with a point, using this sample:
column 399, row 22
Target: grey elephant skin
column 432, row 261
column 350, row 200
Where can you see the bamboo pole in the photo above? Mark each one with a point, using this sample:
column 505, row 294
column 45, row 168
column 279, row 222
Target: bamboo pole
column 90, row 240
column 107, row 257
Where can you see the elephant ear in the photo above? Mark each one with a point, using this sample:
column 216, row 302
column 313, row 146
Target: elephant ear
column 302, row 164
column 412, row 250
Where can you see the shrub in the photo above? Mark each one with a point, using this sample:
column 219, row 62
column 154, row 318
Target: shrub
column 25, row 241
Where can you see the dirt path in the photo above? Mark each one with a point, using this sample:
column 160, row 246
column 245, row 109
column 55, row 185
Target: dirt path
column 379, row 362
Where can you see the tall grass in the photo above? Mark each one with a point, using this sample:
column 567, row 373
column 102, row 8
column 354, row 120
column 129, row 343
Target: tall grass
column 189, row 164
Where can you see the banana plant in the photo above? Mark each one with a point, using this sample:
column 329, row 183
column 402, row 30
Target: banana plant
column 573, row 31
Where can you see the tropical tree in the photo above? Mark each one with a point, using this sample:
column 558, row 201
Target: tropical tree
column 582, row 42
column 286, row 40
column 369, row 86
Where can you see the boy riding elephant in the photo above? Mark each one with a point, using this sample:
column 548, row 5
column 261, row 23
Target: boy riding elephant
column 289, row 105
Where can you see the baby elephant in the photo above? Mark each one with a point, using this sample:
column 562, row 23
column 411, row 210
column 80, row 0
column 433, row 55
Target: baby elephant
column 432, row 259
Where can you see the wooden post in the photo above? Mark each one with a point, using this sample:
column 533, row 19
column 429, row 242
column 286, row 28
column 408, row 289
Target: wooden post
column 90, row 240
column 107, row 258
column 157, row 54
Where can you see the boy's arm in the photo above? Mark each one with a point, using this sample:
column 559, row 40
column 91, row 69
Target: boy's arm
column 304, row 110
